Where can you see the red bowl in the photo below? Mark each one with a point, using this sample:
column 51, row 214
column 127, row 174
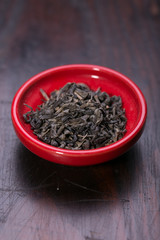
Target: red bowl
column 114, row 83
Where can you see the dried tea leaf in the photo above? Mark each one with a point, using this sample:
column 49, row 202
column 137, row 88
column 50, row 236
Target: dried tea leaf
column 78, row 118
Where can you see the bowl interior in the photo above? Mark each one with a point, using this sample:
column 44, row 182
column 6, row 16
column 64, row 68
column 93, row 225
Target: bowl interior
column 109, row 81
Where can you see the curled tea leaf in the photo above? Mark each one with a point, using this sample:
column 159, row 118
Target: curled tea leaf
column 78, row 118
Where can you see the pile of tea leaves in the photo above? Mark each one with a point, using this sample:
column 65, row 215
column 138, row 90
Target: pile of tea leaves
column 78, row 118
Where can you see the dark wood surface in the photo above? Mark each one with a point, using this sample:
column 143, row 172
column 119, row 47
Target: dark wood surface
column 118, row 200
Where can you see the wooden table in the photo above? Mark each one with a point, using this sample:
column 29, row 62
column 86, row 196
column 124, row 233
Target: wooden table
column 118, row 200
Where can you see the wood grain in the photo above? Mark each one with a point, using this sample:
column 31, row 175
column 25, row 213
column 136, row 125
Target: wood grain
column 118, row 200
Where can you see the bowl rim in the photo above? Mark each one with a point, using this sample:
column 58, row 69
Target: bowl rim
column 109, row 148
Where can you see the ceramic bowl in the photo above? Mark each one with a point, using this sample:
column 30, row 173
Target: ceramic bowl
column 111, row 81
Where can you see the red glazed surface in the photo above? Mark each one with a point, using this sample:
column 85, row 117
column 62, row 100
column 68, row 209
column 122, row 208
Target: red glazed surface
column 108, row 80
